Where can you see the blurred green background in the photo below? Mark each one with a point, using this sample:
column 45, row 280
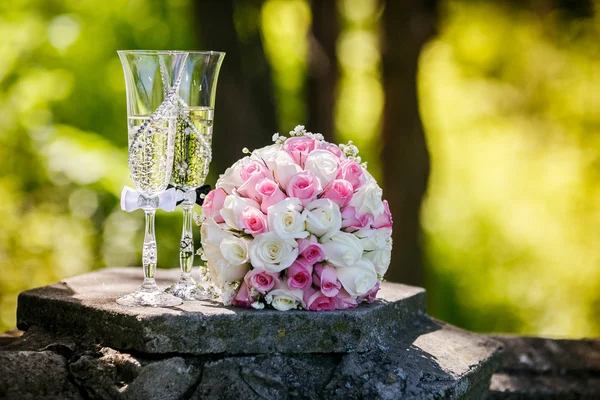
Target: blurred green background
column 509, row 98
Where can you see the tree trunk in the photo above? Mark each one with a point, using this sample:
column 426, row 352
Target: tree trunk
column 323, row 68
column 245, row 109
column 407, row 25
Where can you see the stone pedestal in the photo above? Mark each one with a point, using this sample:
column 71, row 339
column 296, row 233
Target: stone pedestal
column 98, row 349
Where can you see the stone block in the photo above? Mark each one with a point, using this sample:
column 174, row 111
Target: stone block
column 35, row 375
column 416, row 369
column 109, row 374
column 541, row 368
column 386, row 350
column 85, row 306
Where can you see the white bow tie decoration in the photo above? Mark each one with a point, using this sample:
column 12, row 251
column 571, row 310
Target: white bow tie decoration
column 131, row 200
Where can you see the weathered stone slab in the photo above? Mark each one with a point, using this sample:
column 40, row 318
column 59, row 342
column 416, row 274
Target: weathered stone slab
column 85, row 305
column 443, row 362
column 107, row 374
column 35, row 375
column 39, row 339
column 467, row 359
column 541, row 368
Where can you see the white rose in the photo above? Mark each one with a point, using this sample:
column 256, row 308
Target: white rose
column 222, row 271
column 378, row 247
column 367, row 199
column 369, row 177
column 226, row 255
column 233, row 207
column 359, row 278
column 267, row 154
column 374, row 239
column 323, row 218
column 235, row 250
column 323, row 164
column 272, row 253
column 285, row 218
column 285, row 168
column 284, row 298
column 380, row 258
column 212, row 233
column 343, row 249
column 232, row 178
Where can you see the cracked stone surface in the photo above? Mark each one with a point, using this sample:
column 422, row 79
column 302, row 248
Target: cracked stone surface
column 35, row 375
column 388, row 350
column 414, row 368
column 539, row 368
column 86, row 304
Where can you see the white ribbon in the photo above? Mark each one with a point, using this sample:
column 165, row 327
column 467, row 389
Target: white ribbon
column 131, row 200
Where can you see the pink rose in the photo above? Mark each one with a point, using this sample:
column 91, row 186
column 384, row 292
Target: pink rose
column 352, row 172
column 300, row 274
column 317, row 301
column 353, row 219
column 332, row 148
column 269, row 193
column 339, row 191
column 299, row 147
column 311, row 250
column 255, row 168
column 252, row 221
column 371, row 295
column 212, row 204
column 304, row 186
column 261, row 280
column 328, row 282
column 384, row 220
column 251, row 174
column 344, row 300
column 242, row 297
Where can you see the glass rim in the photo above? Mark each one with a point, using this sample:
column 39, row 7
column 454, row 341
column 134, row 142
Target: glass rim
column 167, row 52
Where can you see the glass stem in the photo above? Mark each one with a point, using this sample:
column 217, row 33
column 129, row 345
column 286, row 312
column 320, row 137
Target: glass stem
column 186, row 246
column 149, row 252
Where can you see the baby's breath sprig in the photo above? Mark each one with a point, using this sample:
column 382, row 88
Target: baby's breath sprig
column 199, row 218
column 299, row 130
column 245, row 150
column 350, row 151
column 269, row 298
column 229, row 291
column 258, row 305
column 278, row 139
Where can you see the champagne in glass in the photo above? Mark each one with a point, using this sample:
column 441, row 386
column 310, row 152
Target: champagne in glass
column 151, row 79
column 192, row 154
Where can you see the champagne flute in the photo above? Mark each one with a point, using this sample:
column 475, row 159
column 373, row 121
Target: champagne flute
column 151, row 80
column 192, row 153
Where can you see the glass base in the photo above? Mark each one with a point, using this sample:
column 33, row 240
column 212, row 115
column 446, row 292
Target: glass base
column 188, row 289
column 149, row 295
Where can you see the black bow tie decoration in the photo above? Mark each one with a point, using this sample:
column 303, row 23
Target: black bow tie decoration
column 201, row 192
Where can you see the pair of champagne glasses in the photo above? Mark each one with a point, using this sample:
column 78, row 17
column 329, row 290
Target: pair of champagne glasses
column 170, row 108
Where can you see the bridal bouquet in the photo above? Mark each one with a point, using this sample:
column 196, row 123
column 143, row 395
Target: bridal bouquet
column 297, row 224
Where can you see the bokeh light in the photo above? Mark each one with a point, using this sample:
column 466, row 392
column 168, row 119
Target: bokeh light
column 509, row 98
column 510, row 105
